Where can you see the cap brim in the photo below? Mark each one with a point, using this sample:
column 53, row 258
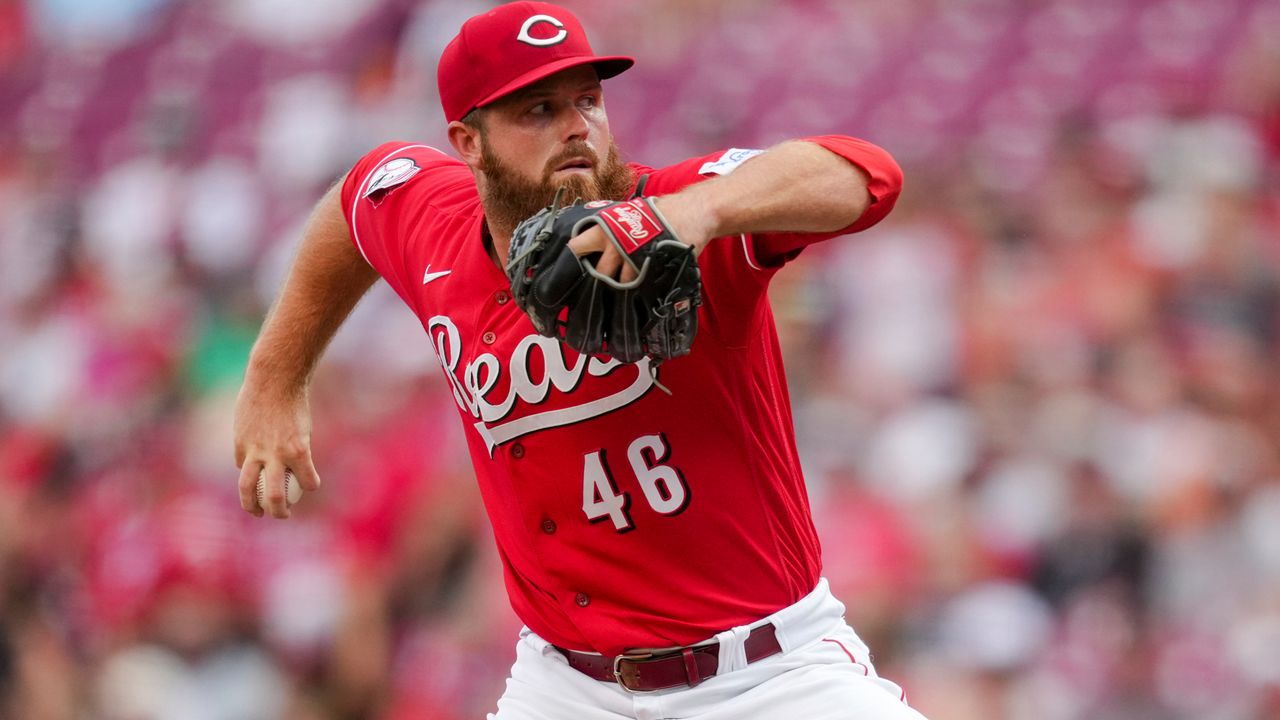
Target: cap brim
column 606, row 67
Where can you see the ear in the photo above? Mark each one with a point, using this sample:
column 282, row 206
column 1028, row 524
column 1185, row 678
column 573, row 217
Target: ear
column 466, row 141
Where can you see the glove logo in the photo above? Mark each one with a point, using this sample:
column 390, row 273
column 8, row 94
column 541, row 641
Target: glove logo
column 634, row 221
column 630, row 219
column 556, row 39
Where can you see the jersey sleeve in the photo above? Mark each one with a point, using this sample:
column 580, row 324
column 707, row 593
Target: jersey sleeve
column 736, row 270
column 768, row 251
column 389, row 192
column 884, row 183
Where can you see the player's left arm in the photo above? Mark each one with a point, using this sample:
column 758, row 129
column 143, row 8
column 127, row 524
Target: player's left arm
column 796, row 187
column 823, row 186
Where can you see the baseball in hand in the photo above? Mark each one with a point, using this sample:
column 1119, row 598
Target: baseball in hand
column 292, row 490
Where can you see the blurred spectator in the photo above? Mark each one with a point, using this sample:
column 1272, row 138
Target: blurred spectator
column 94, row 21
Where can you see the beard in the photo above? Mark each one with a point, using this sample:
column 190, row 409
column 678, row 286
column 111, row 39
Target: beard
column 510, row 197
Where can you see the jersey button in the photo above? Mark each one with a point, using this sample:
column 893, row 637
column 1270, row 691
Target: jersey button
column 548, row 526
column 488, row 338
column 502, row 297
column 582, row 599
column 517, row 451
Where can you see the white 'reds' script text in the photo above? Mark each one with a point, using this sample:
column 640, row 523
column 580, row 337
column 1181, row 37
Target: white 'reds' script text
column 476, row 381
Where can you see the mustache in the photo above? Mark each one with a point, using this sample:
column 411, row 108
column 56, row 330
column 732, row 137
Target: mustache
column 510, row 196
column 571, row 151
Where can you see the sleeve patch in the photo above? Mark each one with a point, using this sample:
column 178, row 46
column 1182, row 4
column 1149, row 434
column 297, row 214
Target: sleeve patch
column 725, row 164
column 390, row 175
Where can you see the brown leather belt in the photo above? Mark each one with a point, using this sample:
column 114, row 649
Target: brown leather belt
column 662, row 669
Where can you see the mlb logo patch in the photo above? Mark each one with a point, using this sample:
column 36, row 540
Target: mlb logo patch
column 725, row 164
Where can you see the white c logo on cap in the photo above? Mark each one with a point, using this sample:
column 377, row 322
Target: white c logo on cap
column 559, row 37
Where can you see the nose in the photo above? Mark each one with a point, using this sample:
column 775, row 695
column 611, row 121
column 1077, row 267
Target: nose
column 574, row 126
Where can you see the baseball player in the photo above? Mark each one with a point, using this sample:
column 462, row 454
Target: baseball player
column 650, row 513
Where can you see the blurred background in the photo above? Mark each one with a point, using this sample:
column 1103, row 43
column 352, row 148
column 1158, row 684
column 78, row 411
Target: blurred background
column 1039, row 407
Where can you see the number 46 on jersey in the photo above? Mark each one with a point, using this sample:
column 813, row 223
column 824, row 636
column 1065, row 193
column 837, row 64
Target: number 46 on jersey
column 663, row 486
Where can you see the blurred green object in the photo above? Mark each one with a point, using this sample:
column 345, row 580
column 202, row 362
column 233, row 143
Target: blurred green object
column 219, row 351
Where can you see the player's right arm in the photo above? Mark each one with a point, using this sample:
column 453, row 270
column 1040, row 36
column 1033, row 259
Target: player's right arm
column 272, row 416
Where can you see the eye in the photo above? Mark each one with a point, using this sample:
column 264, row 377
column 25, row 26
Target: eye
column 541, row 108
column 588, row 101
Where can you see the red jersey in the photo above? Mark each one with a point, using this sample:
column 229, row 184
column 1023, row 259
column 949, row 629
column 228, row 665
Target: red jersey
column 625, row 517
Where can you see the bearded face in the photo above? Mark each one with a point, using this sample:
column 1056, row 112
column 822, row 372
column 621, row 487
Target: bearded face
column 509, row 196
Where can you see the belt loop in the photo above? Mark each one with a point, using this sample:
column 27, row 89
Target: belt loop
column 691, row 667
column 733, row 653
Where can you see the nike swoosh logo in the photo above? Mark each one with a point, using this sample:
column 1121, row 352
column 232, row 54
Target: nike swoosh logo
column 433, row 275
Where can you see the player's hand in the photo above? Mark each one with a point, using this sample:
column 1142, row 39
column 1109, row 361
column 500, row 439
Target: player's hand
column 272, row 432
column 681, row 216
column 610, row 261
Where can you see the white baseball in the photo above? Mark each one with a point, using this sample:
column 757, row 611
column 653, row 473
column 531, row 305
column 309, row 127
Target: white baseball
column 292, row 490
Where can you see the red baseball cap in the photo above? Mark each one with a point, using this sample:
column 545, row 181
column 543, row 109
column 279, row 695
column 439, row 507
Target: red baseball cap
column 510, row 47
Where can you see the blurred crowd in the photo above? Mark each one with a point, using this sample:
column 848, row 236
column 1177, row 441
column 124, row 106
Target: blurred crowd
column 1039, row 407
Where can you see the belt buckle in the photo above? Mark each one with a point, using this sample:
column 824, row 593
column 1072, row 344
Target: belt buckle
column 617, row 669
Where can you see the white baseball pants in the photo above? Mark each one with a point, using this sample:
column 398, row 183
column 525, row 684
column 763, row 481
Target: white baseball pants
column 824, row 671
